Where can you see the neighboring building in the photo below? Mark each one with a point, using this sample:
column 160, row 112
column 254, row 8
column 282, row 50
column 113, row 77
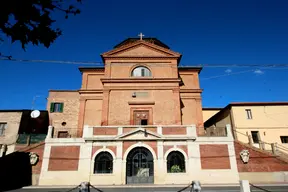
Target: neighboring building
column 17, row 127
column 208, row 112
column 263, row 121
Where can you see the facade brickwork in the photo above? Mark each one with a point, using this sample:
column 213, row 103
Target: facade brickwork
column 13, row 120
column 127, row 144
column 35, row 148
column 174, row 131
column 96, row 148
column 259, row 161
column 64, row 158
column 214, row 156
column 182, row 147
column 105, row 131
column 71, row 102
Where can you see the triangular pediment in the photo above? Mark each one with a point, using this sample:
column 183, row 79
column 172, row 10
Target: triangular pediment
column 141, row 49
column 140, row 133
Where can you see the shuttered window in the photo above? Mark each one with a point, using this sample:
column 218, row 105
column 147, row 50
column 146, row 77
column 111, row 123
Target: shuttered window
column 56, row 107
column 2, row 128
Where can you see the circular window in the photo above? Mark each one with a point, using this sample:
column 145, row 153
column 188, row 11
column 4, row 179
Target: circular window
column 63, row 123
column 141, row 72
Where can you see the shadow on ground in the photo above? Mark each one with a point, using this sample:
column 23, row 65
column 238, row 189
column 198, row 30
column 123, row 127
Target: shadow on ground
column 15, row 171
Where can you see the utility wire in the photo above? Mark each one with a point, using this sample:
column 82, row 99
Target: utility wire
column 101, row 63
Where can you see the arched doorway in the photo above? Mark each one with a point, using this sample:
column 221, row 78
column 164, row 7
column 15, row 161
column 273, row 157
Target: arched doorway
column 139, row 166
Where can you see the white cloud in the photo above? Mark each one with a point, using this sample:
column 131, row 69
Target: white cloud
column 228, row 71
column 259, row 72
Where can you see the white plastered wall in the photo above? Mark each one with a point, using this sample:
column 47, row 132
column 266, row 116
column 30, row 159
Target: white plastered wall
column 118, row 177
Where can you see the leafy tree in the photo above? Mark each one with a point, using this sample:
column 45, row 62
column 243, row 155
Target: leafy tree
column 30, row 21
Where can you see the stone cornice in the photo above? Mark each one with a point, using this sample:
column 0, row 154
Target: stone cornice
column 141, row 102
column 175, row 138
column 140, row 58
column 191, row 90
column 160, row 87
column 140, row 80
column 90, row 91
column 85, row 98
column 52, row 90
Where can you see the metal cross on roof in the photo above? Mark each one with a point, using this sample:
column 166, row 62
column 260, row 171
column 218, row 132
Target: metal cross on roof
column 141, row 35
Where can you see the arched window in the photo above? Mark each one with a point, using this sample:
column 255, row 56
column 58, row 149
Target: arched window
column 141, row 72
column 103, row 163
column 175, row 162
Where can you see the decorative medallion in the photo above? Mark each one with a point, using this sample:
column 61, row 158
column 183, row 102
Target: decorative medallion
column 34, row 158
column 244, row 154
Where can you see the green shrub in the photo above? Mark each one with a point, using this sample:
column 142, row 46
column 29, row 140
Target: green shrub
column 175, row 169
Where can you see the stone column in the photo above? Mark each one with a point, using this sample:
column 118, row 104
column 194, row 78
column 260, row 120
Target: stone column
column 250, row 141
column 85, row 166
column 50, row 132
column 273, row 147
column 159, row 130
column 158, row 171
column 244, row 186
column 81, row 117
column 177, row 108
column 229, row 131
column 199, row 115
column 120, row 166
column 105, row 107
column 87, row 131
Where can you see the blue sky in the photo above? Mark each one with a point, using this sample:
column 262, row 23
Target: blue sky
column 205, row 31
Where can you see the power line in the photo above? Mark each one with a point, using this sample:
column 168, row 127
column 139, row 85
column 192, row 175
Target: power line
column 101, row 63
column 228, row 74
column 52, row 61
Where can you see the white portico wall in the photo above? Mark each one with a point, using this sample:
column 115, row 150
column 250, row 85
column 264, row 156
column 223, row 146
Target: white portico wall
column 118, row 177
column 193, row 162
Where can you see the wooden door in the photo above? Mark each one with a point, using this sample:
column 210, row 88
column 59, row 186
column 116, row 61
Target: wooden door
column 141, row 117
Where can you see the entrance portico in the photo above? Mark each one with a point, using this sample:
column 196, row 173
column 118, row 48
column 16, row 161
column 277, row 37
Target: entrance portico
column 139, row 166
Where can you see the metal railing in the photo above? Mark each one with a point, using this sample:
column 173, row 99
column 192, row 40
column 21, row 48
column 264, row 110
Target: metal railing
column 257, row 188
column 281, row 148
column 65, row 133
column 30, row 138
column 275, row 148
column 215, row 132
column 181, row 130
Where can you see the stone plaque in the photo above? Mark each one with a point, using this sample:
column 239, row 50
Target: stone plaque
column 142, row 94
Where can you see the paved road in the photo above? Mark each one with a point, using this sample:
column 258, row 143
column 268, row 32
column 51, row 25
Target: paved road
column 162, row 189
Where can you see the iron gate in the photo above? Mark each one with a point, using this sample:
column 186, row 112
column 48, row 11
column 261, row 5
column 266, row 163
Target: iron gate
column 139, row 166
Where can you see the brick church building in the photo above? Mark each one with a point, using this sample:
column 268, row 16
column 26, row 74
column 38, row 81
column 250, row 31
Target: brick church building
column 137, row 119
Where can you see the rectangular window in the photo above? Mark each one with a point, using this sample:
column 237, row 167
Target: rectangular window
column 284, row 139
column 63, row 134
column 2, row 128
column 56, row 107
column 248, row 113
column 255, row 136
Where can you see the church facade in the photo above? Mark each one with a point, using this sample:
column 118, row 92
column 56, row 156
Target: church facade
column 137, row 119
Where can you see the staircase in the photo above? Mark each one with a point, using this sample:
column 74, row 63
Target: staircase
column 274, row 149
